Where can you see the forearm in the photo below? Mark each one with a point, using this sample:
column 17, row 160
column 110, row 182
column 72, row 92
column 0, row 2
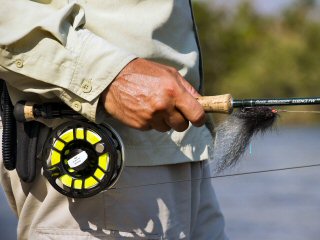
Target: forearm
column 52, row 48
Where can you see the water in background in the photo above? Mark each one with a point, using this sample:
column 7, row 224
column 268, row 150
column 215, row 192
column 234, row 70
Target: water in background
column 8, row 221
column 282, row 205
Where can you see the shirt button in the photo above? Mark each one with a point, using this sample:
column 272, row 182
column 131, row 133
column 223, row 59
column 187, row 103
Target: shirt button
column 86, row 87
column 19, row 63
column 76, row 105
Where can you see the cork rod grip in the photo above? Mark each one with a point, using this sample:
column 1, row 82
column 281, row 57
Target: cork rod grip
column 216, row 104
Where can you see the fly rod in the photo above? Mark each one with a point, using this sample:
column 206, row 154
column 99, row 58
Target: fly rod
column 225, row 103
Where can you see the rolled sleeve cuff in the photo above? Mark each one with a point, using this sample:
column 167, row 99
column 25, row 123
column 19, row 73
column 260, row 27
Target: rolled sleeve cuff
column 97, row 66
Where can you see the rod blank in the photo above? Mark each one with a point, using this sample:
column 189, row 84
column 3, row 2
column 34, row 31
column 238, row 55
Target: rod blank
column 225, row 103
column 275, row 102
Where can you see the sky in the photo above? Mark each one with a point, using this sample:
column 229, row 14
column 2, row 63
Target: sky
column 263, row 6
column 271, row 6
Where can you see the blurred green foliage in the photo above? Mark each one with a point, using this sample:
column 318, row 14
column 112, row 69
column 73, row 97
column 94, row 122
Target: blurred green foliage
column 260, row 56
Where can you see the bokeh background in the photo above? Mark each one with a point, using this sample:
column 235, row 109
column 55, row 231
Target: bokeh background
column 265, row 49
column 255, row 49
column 261, row 49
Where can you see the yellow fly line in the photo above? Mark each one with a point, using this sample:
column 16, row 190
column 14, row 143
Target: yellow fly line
column 103, row 160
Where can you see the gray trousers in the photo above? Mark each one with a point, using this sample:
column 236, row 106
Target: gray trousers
column 147, row 203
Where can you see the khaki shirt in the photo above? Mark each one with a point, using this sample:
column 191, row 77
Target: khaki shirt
column 70, row 51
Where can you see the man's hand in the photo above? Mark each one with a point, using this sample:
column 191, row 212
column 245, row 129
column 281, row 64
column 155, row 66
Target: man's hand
column 147, row 95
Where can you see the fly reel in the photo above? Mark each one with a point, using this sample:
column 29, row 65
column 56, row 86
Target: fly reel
column 81, row 159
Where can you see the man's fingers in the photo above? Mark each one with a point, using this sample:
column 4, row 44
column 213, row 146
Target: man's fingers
column 188, row 105
column 191, row 109
column 177, row 121
column 160, row 124
column 190, row 89
column 147, row 95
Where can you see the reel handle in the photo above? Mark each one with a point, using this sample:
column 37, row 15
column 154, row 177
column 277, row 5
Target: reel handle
column 217, row 104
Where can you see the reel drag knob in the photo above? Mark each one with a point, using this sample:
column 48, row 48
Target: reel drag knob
column 82, row 159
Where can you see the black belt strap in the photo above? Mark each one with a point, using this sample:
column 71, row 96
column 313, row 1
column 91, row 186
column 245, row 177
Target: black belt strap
column 20, row 143
column 27, row 142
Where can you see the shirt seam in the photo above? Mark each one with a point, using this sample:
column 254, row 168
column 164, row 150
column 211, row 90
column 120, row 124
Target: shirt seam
column 78, row 63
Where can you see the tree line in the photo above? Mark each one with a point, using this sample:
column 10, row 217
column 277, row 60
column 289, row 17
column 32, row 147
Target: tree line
column 261, row 56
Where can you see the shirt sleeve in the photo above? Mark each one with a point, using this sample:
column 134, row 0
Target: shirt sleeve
column 51, row 46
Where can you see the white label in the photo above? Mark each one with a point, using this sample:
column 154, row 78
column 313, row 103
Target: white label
column 78, row 159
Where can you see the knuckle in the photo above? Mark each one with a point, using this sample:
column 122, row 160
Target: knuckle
column 170, row 91
column 172, row 70
column 160, row 106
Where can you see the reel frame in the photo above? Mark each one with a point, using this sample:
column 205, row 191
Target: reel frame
column 81, row 159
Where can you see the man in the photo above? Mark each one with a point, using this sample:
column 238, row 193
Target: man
column 136, row 65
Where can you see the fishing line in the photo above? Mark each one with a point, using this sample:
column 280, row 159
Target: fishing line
column 236, row 132
column 81, row 158
column 295, row 111
column 220, row 176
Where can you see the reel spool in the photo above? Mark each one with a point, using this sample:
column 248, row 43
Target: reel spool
column 82, row 159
